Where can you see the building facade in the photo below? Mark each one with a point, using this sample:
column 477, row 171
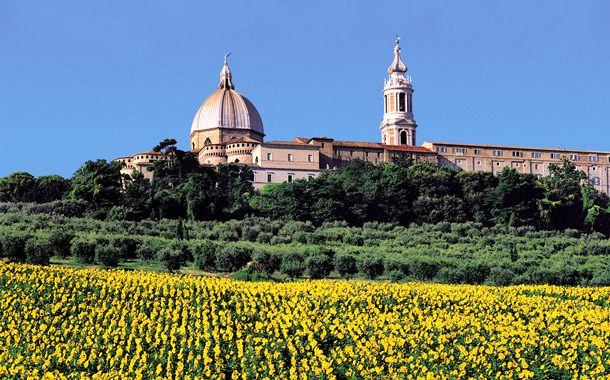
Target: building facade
column 227, row 128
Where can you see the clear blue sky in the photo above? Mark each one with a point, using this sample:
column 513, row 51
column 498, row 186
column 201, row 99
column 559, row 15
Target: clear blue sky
column 83, row 80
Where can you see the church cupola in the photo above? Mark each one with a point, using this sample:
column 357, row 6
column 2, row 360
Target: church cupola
column 398, row 126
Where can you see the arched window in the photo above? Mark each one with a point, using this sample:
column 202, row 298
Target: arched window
column 595, row 180
column 237, row 161
column 385, row 103
column 193, row 145
column 401, row 102
column 403, row 138
column 207, row 141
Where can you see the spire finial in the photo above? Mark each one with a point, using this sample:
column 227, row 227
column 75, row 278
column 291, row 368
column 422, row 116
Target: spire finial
column 397, row 65
column 225, row 76
column 397, row 40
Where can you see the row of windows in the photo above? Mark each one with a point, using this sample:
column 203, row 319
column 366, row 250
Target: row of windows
column 351, row 153
column 289, row 177
column 290, row 157
column 391, row 105
column 498, row 153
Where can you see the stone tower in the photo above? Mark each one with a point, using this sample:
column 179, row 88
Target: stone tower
column 398, row 126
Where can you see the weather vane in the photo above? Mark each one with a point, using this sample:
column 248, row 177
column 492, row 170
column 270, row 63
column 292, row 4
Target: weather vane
column 227, row 56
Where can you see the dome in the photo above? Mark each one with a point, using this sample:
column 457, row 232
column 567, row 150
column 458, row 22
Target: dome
column 227, row 108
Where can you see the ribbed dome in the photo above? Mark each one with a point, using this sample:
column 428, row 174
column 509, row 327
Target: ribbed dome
column 227, row 108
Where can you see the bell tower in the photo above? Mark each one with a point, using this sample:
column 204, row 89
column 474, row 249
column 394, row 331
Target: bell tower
column 398, row 126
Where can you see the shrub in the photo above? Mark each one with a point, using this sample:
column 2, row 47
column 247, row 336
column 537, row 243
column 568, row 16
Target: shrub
column 83, row 249
column 13, row 246
column 247, row 274
column 319, row 266
column 268, row 260
column 450, row 275
column 264, row 237
column 370, row 266
column 423, row 268
column 37, row 251
column 293, row 264
column 145, row 251
column 396, row 276
column 501, row 276
column 205, row 254
column 59, row 242
column 126, row 246
column 172, row 257
column 396, row 263
column 232, row 258
column 475, row 272
column 346, row 265
column 107, row 255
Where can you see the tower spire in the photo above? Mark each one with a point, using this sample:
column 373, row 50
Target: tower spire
column 397, row 66
column 225, row 76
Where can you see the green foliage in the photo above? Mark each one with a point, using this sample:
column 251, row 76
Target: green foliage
column 319, row 266
column 205, row 254
column 172, row 257
column 107, row 255
column 268, row 260
column 37, row 251
column 232, row 258
column 346, row 265
column 423, row 268
column 59, row 242
column 293, row 264
column 370, row 266
column 83, row 249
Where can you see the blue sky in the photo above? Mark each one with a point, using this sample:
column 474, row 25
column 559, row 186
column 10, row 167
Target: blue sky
column 82, row 80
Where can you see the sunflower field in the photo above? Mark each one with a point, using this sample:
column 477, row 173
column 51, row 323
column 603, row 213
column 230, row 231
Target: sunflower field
column 58, row 323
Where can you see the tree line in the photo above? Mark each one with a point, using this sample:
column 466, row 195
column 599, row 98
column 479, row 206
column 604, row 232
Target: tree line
column 399, row 192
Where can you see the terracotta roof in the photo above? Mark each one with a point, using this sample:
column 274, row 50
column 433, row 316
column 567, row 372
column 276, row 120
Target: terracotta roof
column 301, row 140
column 517, row 147
column 295, row 143
column 322, row 138
column 403, row 148
column 243, row 139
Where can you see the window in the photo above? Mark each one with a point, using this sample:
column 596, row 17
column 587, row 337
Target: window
column 593, row 158
column 536, row 154
column 310, row 158
column 403, row 138
column 478, row 162
column 290, row 157
column 290, row 176
column 574, row 157
column 538, row 176
column 555, row 156
column 497, row 152
column 459, row 150
column 593, row 168
column 497, row 163
column 517, row 164
column 269, row 157
column 458, row 162
column 401, row 102
column 535, row 166
column 322, row 145
column 441, row 149
column 269, row 177
column 310, row 176
column 351, row 153
column 517, row 154
column 595, row 180
column 385, row 102
column 378, row 154
column 478, row 151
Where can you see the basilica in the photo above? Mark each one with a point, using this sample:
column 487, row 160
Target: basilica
column 227, row 128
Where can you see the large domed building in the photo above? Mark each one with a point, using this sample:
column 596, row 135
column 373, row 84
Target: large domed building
column 227, row 128
column 225, row 118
